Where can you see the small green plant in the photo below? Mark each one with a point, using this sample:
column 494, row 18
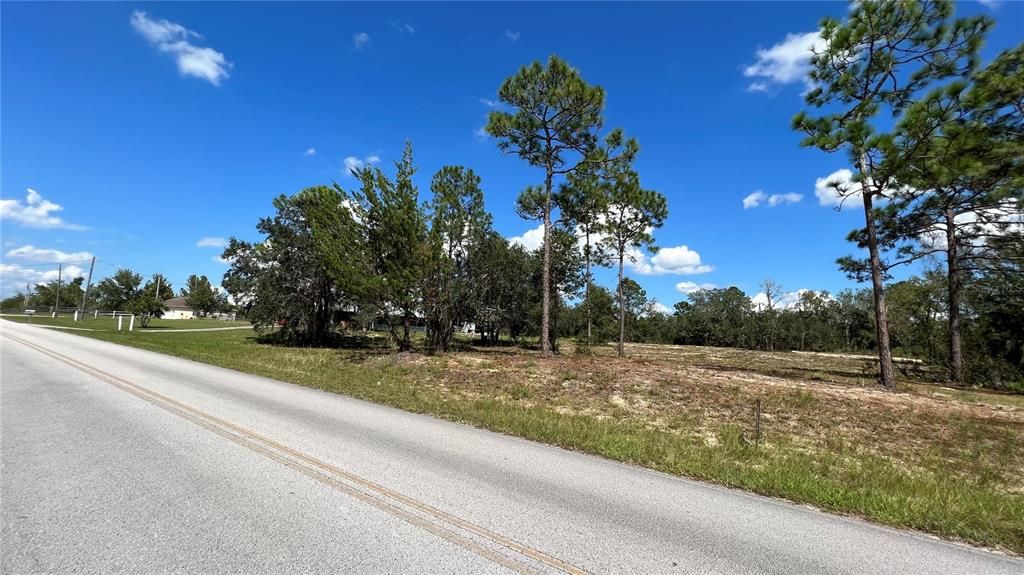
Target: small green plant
column 518, row 392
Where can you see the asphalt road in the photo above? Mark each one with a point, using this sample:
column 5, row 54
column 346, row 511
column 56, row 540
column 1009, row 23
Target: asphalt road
column 114, row 459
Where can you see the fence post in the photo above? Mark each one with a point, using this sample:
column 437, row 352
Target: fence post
column 119, row 318
column 131, row 323
column 757, row 423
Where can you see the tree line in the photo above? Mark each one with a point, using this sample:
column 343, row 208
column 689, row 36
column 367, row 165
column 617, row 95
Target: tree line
column 817, row 321
column 124, row 291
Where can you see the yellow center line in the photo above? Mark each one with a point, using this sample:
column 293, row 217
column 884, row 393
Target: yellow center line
column 376, row 495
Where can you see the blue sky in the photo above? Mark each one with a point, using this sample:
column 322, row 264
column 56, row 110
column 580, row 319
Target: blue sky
column 142, row 129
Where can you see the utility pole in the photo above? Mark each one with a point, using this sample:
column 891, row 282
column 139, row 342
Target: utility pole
column 56, row 310
column 157, row 296
column 85, row 294
column 28, row 292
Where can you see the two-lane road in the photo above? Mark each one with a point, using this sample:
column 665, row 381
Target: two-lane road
column 114, row 459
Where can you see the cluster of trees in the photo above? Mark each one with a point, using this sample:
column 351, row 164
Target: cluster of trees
column 938, row 146
column 333, row 258
column 940, row 175
column 332, row 255
column 993, row 329
column 202, row 298
column 123, row 291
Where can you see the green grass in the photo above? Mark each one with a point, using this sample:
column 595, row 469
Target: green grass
column 844, row 477
column 109, row 323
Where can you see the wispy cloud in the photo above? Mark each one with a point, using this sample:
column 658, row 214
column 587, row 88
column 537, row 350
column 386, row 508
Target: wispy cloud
column 481, row 134
column 360, row 40
column 310, row 151
column 403, row 27
column 687, row 288
column 36, row 212
column 175, row 39
column 352, row 163
column 514, row 36
column 490, row 103
column 34, row 254
column 759, row 198
column 211, row 242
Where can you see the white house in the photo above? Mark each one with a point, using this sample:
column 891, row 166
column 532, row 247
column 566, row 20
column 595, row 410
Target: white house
column 177, row 309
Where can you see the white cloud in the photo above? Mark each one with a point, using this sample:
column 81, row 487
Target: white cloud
column 979, row 225
column 36, row 212
column 310, row 151
column 779, row 199
column 512, row 35
column 678, row 260
column 840, row 191
column 661, row 308
column 788, row 300
column 784, row 63
column 14, row 277
column 827, row 194
column 990, row 4
column 172, row 38
column 360, row 40
column 687, row 288
column 353, row 163
column 34, row 254
column 490, row 103
column 403, row 27
column 222, row 260
column 758, row 198
column 211, row 242
column 531, row 239
column 754, row 199
column 481, row 134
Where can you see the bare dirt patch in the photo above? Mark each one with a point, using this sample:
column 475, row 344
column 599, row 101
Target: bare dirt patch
column 808, row 402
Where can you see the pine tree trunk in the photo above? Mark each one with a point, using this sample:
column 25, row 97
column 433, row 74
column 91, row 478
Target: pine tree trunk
column 406, row 339
column 587, row 294
column 622, row 310
column 953, row 269
column 885, row 374
column 545, row 320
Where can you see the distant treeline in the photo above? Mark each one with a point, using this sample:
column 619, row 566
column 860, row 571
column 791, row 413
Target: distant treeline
column 992, row 330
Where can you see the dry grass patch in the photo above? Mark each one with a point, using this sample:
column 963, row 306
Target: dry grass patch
column 702, row 393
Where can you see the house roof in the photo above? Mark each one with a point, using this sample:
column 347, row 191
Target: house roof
column 176, row 303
